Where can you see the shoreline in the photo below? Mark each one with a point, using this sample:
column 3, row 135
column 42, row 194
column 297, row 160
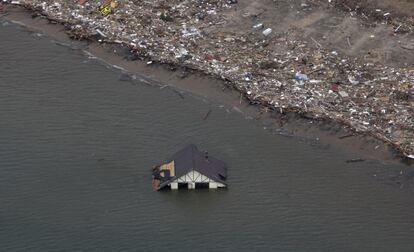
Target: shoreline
column 208, row 86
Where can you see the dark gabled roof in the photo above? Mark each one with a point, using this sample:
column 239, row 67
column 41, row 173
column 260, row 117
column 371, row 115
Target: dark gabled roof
column 190, row 158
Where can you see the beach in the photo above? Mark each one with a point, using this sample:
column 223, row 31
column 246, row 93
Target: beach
column 320, row 61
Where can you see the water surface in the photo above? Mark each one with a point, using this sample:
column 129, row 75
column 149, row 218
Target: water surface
column 77, row 145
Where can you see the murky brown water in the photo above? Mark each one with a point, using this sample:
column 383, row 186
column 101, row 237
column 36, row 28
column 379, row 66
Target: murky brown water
column 77, row 145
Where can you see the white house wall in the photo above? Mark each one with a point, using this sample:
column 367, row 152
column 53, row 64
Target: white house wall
column 195, row 177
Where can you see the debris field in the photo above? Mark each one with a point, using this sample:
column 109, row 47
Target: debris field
column 276, row 69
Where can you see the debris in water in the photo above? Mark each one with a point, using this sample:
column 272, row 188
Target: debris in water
column 355, row 160
column 207, row 114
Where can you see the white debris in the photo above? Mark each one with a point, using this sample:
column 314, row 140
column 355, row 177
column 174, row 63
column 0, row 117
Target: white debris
column 267, row 32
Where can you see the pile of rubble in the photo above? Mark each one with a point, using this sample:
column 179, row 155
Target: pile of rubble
column 374, row 99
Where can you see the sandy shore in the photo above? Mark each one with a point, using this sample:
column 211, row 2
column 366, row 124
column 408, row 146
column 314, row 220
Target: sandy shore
column 211, row 87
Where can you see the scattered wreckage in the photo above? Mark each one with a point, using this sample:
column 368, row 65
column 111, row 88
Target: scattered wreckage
column 370, row 98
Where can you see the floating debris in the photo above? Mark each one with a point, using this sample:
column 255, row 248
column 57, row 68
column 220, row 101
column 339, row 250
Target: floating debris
column 357, row 160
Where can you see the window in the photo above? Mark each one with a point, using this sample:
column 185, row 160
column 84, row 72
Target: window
column 201, row 185
column 182, row 186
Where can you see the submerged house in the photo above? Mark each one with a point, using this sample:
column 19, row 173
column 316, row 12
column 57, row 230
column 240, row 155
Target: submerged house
column 190, row 168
